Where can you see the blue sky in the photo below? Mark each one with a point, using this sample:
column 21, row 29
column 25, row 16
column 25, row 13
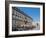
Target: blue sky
column 32, row 12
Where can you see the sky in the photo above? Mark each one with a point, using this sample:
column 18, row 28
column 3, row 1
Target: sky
column 32, row 12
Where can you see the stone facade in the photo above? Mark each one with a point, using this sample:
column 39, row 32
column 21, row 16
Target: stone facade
column 20, row 19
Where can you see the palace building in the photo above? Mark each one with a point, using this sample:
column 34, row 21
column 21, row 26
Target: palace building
column 20, row 20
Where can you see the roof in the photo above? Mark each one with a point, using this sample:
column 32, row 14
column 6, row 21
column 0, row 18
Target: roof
column 21, row 12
